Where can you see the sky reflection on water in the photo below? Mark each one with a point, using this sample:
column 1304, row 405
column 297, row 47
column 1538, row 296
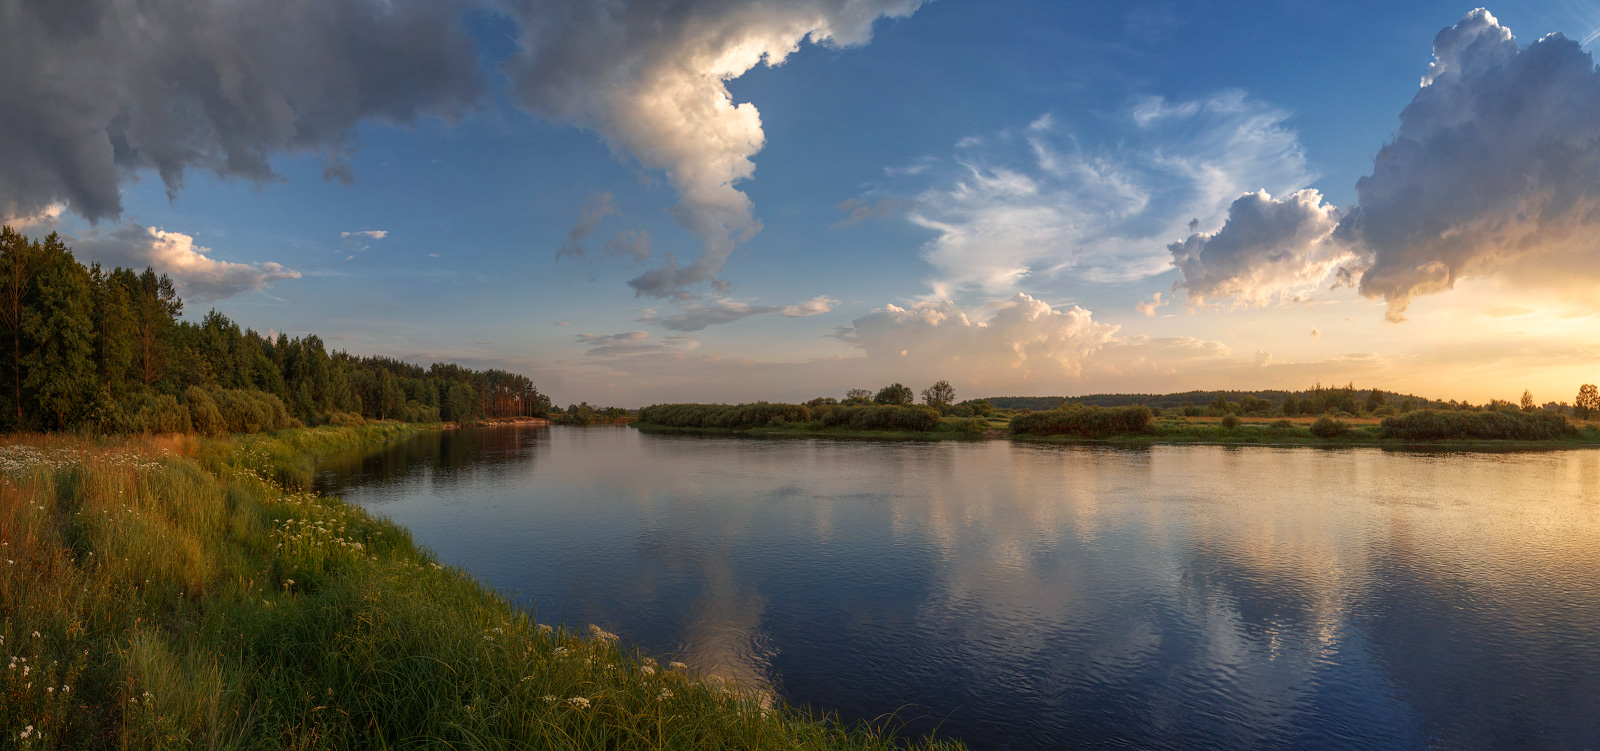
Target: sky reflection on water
column 1034, row 596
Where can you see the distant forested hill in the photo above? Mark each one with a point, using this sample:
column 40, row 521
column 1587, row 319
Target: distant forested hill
column 1197, row 398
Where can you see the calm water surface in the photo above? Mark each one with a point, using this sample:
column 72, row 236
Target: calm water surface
column 1028, row 596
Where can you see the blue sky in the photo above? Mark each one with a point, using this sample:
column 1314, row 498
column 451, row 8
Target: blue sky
column 1020, row 169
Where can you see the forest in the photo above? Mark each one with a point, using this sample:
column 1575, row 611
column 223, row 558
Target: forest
column 84, row 348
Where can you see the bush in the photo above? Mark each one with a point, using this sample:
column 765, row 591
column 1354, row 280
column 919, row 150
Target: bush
column 160, row 414
column 968, row 425
column 346, row 420
column 1327, row 427
column 1284, row 424
column 884, row 417
column 1230, row 422
column 203, row 413
column 1434, row 425
column 734, row 416
column 1086, row 422
column 251, row 411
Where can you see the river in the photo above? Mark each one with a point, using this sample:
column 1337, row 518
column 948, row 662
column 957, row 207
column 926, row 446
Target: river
column 1021, row 596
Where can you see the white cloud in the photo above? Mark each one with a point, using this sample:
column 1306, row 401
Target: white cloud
column 1024, row 339
column 651, row 78
column 47, row 217
column 357, row 241
column 815, row 306
column 1149, row 307
column 199, row 277
column 1039, row 204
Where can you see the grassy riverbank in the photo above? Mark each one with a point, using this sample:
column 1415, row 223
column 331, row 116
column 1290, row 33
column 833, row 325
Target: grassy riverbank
column 948, row 430
column 1174, row 430
column 1297, row 432
column 187, row 592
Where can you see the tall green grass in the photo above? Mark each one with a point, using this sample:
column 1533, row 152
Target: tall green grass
column 189, row 593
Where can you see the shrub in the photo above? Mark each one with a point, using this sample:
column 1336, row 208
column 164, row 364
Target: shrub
column 251, row 411
column 1434, row 425
column 346, row 420
column 884, row 417
column 734, row 416
column 1230, row 422
column 1087, row 422
column 968, row 425
column 1284, row 424
column 203, row 413
column 1327, row 427
column 160, row 414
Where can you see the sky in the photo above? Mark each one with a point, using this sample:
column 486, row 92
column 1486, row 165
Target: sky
column 643, row 201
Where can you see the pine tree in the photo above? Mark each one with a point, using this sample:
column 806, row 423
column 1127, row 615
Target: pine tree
column 59, row 367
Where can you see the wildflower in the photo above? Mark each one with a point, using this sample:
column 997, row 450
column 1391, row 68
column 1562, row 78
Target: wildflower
column 561, row 652
column 601, row 634
column 579, row 702
column 647, row 670
column 550, row 699
column 545, row 628
column 677, row 666
column 666, row 693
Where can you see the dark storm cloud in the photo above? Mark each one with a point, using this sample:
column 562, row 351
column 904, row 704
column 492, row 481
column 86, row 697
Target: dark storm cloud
column 96, row 90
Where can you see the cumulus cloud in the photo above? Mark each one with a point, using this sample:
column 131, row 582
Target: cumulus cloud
column 1269, row 248
column 861, row 210
column 1025, row 338
column 1494, row 171
column 199, row 277
column 1038, row 201
column 111, row 88
column 698, row 316
column 595, row 208
column 1149, row 307
column 650, row 77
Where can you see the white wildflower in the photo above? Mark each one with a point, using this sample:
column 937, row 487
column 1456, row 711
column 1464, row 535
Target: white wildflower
column 677, row 666
column 647, row 670
column 579, row 702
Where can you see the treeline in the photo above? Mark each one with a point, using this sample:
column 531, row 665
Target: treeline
column 1315, row 400
column 1318, row 400
column 892, row 417
column 86, row 348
